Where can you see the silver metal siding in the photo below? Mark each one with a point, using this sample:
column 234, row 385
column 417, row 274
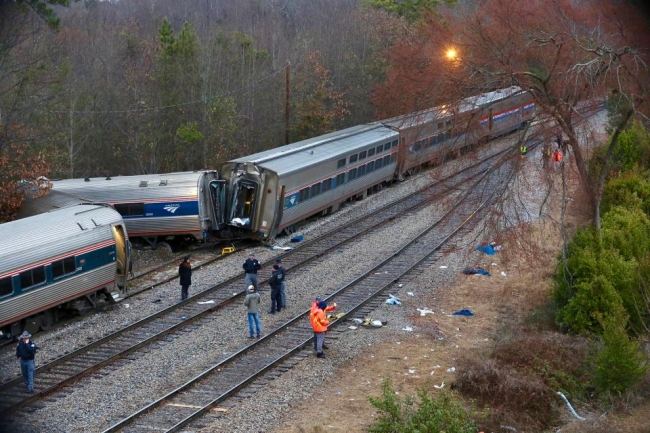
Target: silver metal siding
column 25, row 242
column 54, row 294
column 337, row 195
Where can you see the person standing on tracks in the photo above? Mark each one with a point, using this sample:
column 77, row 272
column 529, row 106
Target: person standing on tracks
column 252, row 301
column 26, row 351
column 546, row 155
column 283, row 274
column 276, row 285
column 312, row 310
column 251, row 266
column 319, row 324
column 185, row 272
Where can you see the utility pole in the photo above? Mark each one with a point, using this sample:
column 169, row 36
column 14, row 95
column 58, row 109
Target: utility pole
column 287, row 105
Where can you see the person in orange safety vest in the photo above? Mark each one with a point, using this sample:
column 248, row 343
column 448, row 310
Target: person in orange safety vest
column 557, row 155
column 314, row 307
column 319, row 323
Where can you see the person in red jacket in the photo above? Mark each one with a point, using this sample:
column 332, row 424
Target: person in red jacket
column 319, row 323
column 314, row 307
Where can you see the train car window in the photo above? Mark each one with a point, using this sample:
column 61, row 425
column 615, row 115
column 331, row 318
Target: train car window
column 130, row 209
column 327, row 184
column 32, row 277
column 315, row 190
column 362, row 155
column 352, row 174
column 340, row 163
column 378, row 164
column 362, row 170
column 63, row 267
column 448, row 123
column 340, row 179
column 387, row 146
column 304, row 194
column 371, row 166
column 394, row 144
column 371, row 152
column 386, row 160
column 353, row 158
column 6, row 286
column 380, row 149
column 441, row 137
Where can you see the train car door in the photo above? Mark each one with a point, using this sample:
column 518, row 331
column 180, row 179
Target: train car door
column 244, row 198
column 123, row 253
column 218, row 199
column 279, row 211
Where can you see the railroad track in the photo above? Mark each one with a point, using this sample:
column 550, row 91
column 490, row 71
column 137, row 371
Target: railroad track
column 240, row 375
column 99, row 354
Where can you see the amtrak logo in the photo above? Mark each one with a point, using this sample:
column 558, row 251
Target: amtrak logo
column 292, row 200
column 171, row 208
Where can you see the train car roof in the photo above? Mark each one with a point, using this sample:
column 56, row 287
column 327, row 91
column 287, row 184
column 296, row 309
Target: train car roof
column 296, row 156
column 475, row 102
column 432, row 114
column 44, row 235
column 53, row 200
column 127, row 188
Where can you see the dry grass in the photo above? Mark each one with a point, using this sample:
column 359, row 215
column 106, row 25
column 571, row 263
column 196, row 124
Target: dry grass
column 508, row 356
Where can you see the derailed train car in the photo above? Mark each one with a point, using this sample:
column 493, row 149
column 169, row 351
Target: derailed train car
column 60, row 262
column 430, row 136
column 272, row 191
column 185, row 207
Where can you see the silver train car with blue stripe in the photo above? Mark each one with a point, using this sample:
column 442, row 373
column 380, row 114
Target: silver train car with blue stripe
column 271, row 192
column 60, row 262
column 186, row 207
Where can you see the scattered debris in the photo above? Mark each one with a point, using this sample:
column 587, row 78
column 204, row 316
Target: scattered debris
column 298, row 238
column 407, row 329
column 443, row 267
column 155, row 301
column 474, row 271
column 489, row 249
column 393, row 300
column 206, row 302
column 451, row 369
column 424, row 311
column 573, row 412
column 462, row 313
column 442, row 385
column 410, row 293
column 275, row 247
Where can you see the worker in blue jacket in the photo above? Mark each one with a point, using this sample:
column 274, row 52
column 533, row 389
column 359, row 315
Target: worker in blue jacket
column 251, row 266
column 26, row 351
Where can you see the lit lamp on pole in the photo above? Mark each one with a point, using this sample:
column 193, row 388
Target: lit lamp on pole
column 451, row 54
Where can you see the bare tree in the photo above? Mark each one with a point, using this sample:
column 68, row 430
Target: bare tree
column 568, row 54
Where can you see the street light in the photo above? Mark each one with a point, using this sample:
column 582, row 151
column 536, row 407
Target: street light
column 451, row 54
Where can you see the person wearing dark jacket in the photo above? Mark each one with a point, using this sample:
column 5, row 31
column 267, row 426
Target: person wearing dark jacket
column 185, row 272
column 276, row 284
column 283, row 274
column 25, row 351
column 251, row 266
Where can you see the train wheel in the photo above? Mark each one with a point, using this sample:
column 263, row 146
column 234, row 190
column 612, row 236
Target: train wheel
column 47, row 320
column 32, row 324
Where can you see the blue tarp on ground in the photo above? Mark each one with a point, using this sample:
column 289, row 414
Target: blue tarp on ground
column 487, row 249
column 463, row 313
column 474, row 271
